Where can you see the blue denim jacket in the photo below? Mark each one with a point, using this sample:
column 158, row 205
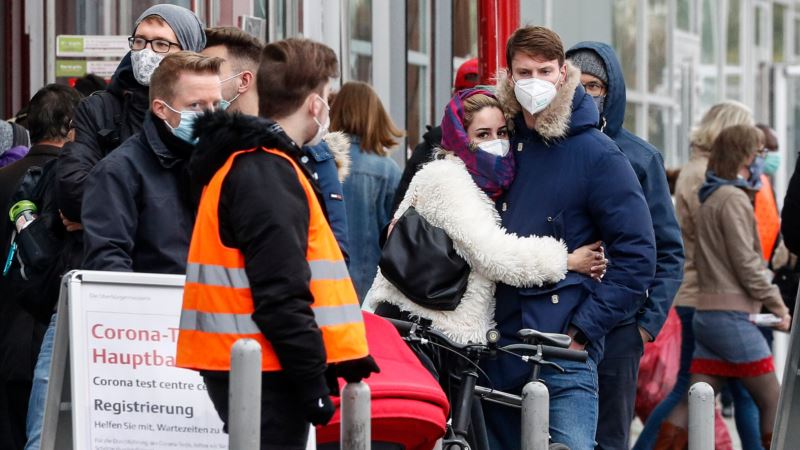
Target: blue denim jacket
column 369, row 191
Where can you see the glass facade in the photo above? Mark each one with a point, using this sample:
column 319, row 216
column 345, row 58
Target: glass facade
column 679, row 57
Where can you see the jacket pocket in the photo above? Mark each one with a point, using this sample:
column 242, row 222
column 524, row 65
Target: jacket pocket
column 549, row 309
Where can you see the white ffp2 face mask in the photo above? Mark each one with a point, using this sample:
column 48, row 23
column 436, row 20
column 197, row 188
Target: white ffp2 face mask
column 534, row 94
column 497, row 147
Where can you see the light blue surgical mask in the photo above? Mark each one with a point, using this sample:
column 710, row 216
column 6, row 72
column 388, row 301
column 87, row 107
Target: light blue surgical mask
column 224, row 104
column 185, row 127
column 771, row 163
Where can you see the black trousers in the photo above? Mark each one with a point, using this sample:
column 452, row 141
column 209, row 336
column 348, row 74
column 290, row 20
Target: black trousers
column 617, row 375
column 283, row 423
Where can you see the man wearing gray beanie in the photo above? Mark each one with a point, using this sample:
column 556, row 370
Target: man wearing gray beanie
column 617, row 372
column 102, row 122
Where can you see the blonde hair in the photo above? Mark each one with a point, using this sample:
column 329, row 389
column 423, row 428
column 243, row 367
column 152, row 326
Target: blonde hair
column 720, row 116
column 167, row 75
column 358, row 110
column 476, row 103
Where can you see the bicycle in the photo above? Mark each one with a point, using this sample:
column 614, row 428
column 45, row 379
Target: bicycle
column 466, row 429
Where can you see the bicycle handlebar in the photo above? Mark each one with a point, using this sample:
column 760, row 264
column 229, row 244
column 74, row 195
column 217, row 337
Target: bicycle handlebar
column 409, row 328
column 550, row 352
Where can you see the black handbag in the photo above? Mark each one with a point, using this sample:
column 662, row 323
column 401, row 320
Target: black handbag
column 420, row 261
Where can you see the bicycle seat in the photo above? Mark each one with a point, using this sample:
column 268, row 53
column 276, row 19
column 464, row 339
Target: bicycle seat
column 533, row 337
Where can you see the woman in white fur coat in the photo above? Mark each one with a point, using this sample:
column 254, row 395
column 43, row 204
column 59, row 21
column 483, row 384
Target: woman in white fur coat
column 456, row 193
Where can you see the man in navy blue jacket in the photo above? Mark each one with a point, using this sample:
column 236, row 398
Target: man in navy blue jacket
column 572, row 183
column 602, row 78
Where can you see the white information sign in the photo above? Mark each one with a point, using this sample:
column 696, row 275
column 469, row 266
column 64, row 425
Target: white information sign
column 91, row 46
column 126, row 392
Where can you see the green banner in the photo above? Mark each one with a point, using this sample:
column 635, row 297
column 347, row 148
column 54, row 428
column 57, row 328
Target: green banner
column 70, row 68
column 70, row 44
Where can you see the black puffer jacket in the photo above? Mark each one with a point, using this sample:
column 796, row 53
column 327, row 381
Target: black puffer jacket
column 102, row 122
column 264, row 213
column 138, row 216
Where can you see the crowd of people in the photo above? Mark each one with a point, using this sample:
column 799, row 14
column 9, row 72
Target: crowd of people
column 214, row 155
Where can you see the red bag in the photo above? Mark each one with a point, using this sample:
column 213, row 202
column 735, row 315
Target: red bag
column 658, row 371
column 658, row 368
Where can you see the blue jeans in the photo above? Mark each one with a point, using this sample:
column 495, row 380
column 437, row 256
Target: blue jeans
column 650, row 432
column 41, row 377
column 573, row 410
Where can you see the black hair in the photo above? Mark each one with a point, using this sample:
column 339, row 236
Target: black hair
column 89, row 84
column 50, row 112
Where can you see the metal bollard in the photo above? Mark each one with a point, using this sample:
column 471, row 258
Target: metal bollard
column 701, row 417
column 535, row 416
column 244, row 396
column 356, row 429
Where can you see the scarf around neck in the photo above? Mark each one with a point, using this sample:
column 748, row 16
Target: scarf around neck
column 713, row 182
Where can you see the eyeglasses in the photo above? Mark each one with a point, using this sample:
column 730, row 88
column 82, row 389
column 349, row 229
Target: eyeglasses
column 762, row 152
column 158, row 45
column 594, row 88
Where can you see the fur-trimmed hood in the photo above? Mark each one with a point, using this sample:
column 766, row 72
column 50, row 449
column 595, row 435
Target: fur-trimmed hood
column 339, row 145
column 557, row 120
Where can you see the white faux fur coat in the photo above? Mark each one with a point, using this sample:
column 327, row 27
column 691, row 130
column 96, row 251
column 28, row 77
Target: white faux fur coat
column 444, row 193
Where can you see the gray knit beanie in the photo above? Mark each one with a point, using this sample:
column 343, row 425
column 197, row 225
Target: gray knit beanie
column 187, row 27
column 590, row 62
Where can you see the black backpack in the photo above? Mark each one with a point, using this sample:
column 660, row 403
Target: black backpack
column 37, row 256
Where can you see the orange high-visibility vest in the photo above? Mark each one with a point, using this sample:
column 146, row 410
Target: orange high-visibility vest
column 218, row 304
column 768, row 221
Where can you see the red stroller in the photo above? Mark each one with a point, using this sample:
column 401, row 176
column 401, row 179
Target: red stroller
column 409, row 408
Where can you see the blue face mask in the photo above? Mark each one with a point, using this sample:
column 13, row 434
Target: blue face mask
column 771, row 163
column 756, row 168
column 600, row 102
column 185, row 128
column 224, row 104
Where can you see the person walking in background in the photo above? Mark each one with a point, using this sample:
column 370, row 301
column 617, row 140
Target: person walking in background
column 22, row 324
column 602, row 77
column 369, row 188
column 732, row 283
column 687, row 203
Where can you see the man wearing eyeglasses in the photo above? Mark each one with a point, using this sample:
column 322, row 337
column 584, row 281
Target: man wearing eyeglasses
column 602, row 78
column 106, row 119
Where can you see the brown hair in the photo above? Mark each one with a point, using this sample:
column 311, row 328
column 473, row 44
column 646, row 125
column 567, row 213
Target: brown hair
column 733, row 146
column 168, row 73
column 476, row 103
column 290, row 70
column 536, row 42
column 243, row 49
column 358, row 110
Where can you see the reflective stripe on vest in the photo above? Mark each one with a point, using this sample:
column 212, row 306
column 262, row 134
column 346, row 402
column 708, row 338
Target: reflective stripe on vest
column 326, row 316
column 218, row 303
